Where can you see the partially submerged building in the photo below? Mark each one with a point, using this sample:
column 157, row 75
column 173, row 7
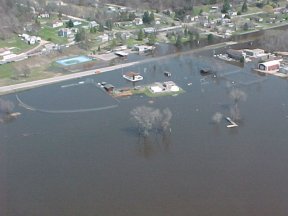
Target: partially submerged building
column 269, row 65
column 168, row 86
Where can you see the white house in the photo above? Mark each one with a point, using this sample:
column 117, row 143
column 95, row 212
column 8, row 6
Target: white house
column 44, row 15
column 57, row 24
column 138, row 21
column 64, row 32
column 149, row 30
column 103, row 38
column 93, row 24
column 77, row 23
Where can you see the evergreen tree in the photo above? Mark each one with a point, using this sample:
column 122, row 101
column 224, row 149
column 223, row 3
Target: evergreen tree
column 152, row 39
column 146, row 18
column 80, row 35
column 226, row 6
column 151, row 17
column 178, row 41
column 244, row 7
column 140, row 35
column 70, row 24
column 101, row 28
column 191, row 36
column 132, row 16
column 210, row 38
column 186, row 32
column 109, row 24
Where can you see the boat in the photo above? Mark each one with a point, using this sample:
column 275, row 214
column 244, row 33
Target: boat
column 132, row 76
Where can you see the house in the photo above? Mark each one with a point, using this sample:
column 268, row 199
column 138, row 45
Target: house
column 257, row 19
column 149, row 30
column 254, row 52
column 143, row 48
column 232, row 13
column 103, row 38
column 32, row 40
column 270, row 65
column 156, row 89
column 111, row 8
column 44, row 15
column 157, row 22
column 57, row 3
column 171, row 86
column 214, row 9
column 236, row 54
column 93, row 24
column 57, row 24
column 108, row 87
column 76, row 23
column 203, row 20
column 138, row 21
column 64, row 32
column 122, row 9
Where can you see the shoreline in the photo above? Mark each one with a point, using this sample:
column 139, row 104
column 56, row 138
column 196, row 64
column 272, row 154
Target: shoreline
column 10, row 89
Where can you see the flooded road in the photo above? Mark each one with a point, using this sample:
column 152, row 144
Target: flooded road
column 95, row 163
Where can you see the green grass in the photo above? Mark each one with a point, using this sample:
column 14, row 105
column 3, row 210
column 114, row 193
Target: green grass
column 197, row 9
column 131, row 42
column 17, row 43
column 51, row 34
column 6, row 71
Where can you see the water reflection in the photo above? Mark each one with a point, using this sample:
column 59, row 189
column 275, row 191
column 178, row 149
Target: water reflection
column 148, row 146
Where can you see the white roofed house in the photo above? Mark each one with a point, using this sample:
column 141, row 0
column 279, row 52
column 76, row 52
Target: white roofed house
column 149, row 30
column 77, row 23
column 103, row 38
column 93, row 24
column 57, row 24
column 64, row 32
column 138, row 21
column 44, row 15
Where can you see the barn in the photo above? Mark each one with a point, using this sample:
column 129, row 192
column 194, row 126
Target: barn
column 270, row 65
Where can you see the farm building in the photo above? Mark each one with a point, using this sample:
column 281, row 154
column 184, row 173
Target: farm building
column 270, row 65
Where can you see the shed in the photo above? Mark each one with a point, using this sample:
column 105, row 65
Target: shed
column 109, row 88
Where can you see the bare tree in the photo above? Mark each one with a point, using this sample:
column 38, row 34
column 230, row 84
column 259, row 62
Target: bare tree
column 217, row 117
column 237, row 95
column 6, row 107
column 275, row 40
column 149, row 119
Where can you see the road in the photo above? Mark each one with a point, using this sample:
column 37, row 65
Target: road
column 37, row 83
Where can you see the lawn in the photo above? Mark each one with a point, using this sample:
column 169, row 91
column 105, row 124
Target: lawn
column 17, row 43
column 50, row 34
column 6, row 71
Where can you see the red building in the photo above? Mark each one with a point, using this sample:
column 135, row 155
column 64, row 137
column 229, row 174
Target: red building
column 270, row 65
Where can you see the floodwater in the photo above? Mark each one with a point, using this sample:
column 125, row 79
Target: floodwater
column 66, row 157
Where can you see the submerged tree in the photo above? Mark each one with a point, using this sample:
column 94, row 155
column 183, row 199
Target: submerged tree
column 149, row 119
column 6, row 107
column 237, row 95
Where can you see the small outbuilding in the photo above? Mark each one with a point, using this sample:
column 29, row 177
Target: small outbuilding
column 109, row 88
